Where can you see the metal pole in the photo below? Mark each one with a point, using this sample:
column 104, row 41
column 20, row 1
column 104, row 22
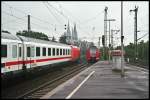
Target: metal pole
column 109, row 35
column 99, row 42
column 135, row 31
column 105, row 26
column 122, row 58
column 29, row 28
column 29, row 23
column 105, row 31
column 136, row 9
column 109, row 42
column 112, row 39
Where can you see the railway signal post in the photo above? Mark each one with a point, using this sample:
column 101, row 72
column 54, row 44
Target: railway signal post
column 109, row 34
column 135, row 30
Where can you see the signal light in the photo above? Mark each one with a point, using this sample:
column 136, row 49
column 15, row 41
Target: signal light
column 103, row 39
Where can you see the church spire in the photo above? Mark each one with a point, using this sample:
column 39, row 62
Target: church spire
column 75, row 33
column 68, row 31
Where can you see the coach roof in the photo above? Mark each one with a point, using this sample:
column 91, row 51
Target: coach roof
column 28, row 39
column 9, row 36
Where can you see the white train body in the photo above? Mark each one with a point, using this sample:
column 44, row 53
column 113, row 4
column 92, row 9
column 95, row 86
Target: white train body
column 20, row 52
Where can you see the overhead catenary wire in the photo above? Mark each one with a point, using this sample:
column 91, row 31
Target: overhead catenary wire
column 58, row 11
column 65, row 16
column 23, row 12
column 15, row 20
column 52, row 13
column 18, row 10
column 74, row 21
column 79, row 21
column 24, row 20
column 92, row 18
column 69, row 13
column 142, row 36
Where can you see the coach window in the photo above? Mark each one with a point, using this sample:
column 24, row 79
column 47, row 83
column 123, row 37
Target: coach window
column 28, row 52
column 57, row 51
column 70, row 52
column 49, row 51
column 4, row 50
column 44, row 51
column 32, row 51
column 60, row 51
column 63, row 51
column 37, row 51
column 66, row 52
column 14, row 51
column 19, row 51
column 53, row 51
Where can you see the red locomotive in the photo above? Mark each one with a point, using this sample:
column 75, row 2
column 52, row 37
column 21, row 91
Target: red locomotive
column 92, row 54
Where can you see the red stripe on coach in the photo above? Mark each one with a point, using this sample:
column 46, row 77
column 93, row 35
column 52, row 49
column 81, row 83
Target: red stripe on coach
column 32, row 61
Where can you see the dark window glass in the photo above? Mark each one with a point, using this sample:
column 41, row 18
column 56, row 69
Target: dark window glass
column 28, row 51
column 4, row 50
column 19, row 51
column 53, row 51
column 37, row 51
column 49, row 51
column 57, row 51
column 66, row 51
column 60, row 51
column 44, row 51
column 63, row 51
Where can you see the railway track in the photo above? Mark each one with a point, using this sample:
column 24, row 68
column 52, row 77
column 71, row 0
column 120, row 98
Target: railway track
column 48, row 86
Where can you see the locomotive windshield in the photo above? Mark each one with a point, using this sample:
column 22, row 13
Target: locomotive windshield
column 92, row 49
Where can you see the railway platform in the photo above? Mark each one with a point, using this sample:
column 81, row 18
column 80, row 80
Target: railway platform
column 100, row 81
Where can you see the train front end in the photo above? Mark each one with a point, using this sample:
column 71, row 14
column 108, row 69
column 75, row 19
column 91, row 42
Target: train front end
column 92, row 54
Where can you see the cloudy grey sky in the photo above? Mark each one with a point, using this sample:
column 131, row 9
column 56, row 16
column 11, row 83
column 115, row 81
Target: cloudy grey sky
column 88, row 16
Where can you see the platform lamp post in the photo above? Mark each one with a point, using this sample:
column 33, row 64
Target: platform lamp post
column 122, row 37
column 109, row 35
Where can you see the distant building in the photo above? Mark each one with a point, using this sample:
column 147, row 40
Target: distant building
column 68, row 34
column 71, row 35
column 73, row 38
column 75, row 33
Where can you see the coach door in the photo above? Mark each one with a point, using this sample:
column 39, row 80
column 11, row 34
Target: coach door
column 30, row 56
column 20, row 55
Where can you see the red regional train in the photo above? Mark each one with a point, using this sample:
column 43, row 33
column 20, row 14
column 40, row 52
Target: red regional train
column 92, row 54
column 19, row 53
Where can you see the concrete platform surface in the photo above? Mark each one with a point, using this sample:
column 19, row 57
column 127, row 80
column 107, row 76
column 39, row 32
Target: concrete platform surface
column 99, row 81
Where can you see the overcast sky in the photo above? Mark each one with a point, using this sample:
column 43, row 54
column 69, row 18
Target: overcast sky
column 88, row 16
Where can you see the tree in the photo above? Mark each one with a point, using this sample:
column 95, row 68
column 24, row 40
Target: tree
column 143, row 52
column 32, row 34
column 62, row 39
column 5, row 31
